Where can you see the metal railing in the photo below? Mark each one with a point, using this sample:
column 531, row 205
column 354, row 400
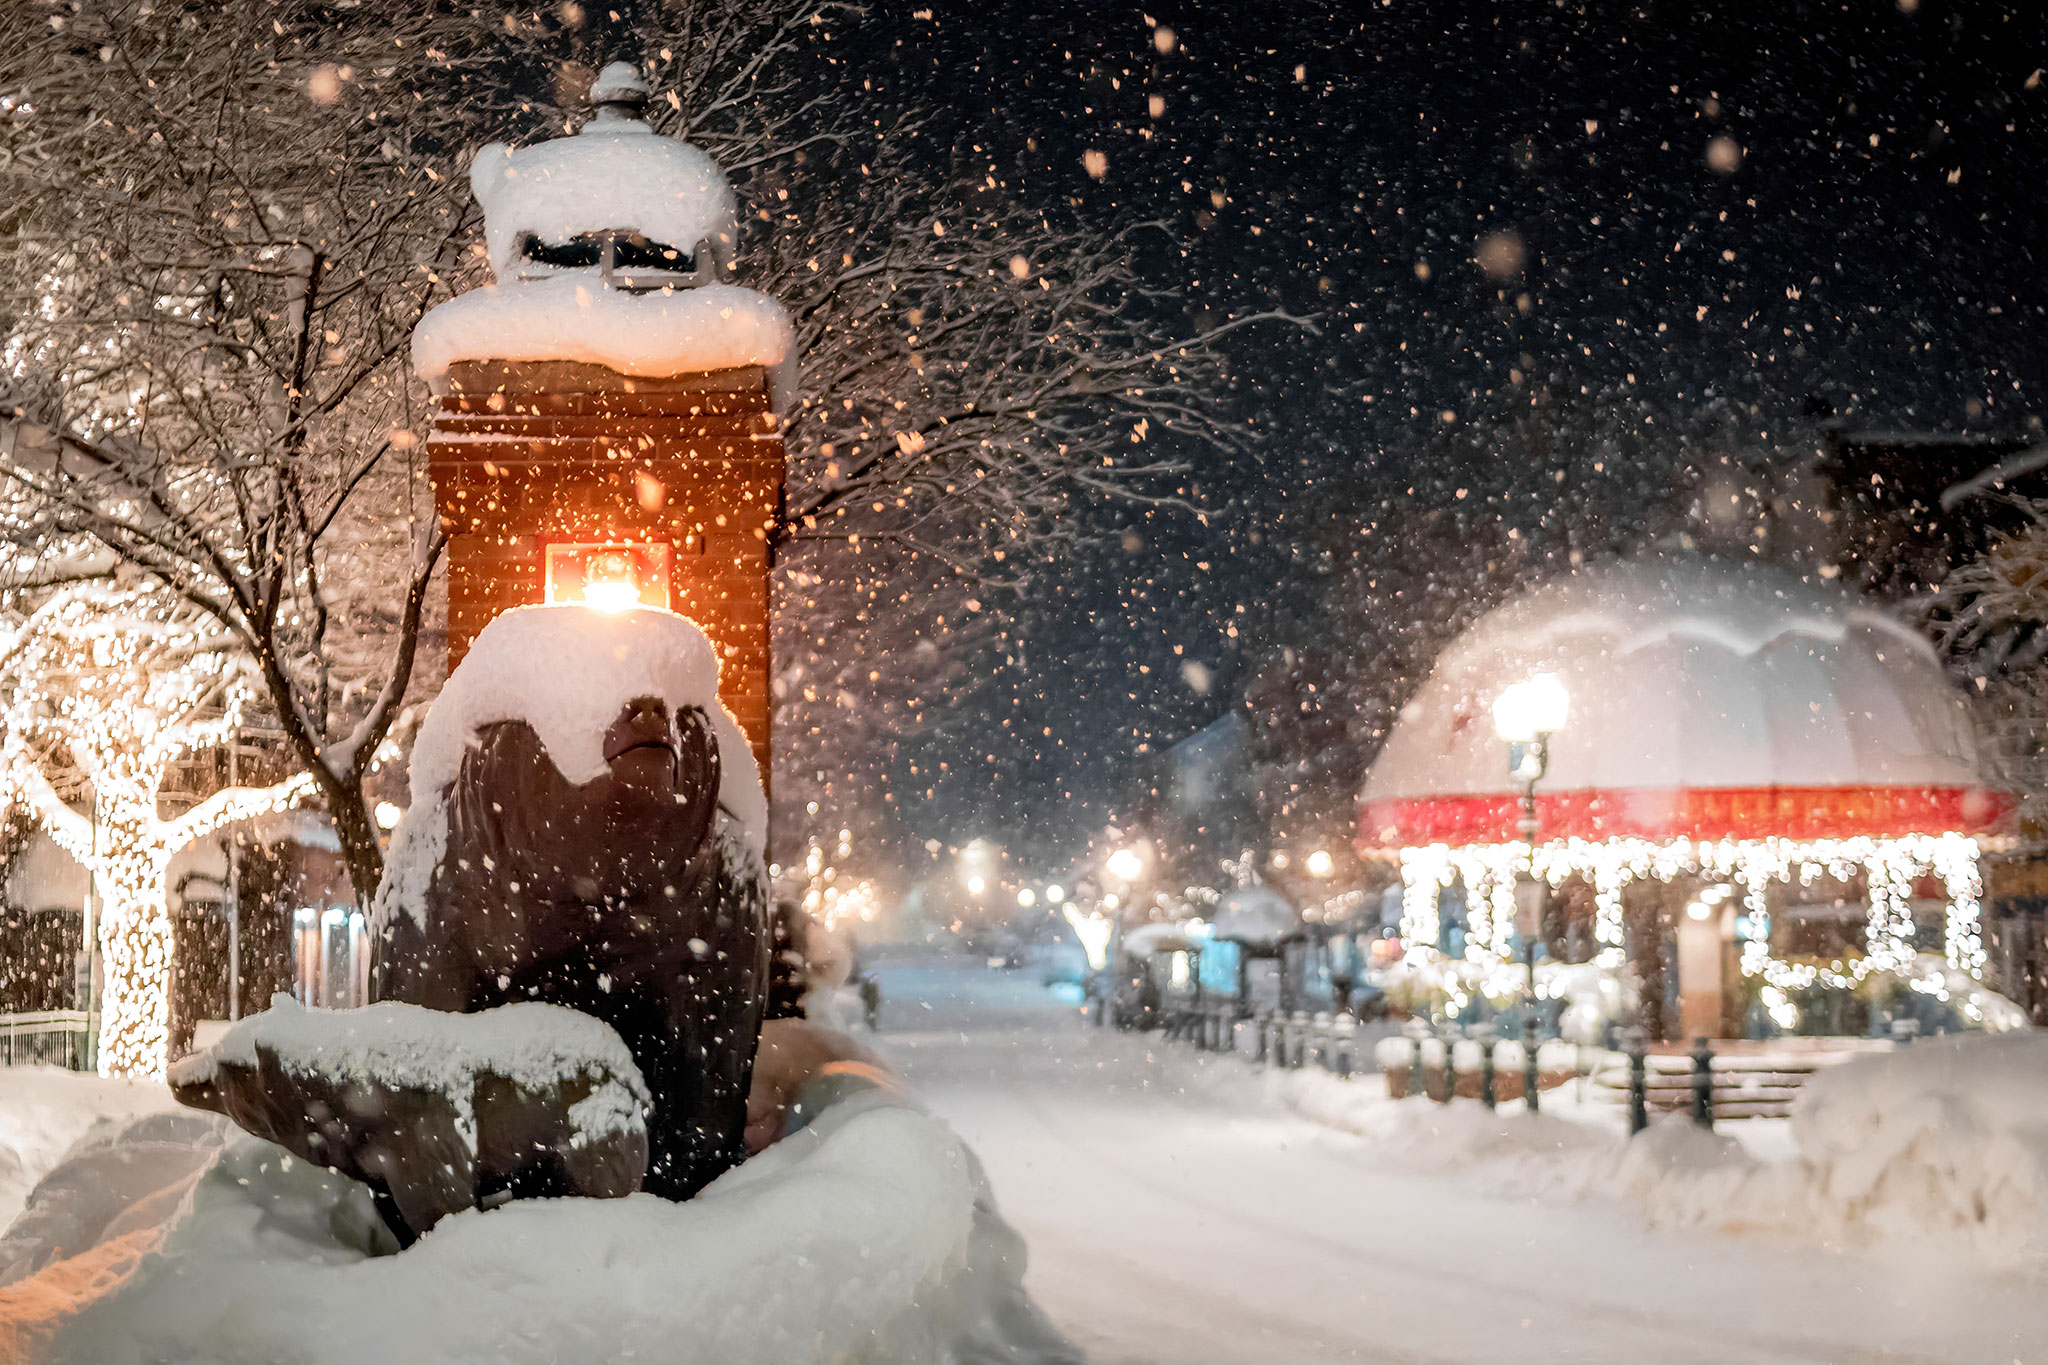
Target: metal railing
column 48, row 1038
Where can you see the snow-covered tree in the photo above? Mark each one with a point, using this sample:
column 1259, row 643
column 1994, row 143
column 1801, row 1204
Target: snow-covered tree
column 1990, row 618
column 227, row 218
column 223, row 222
column 107, row 686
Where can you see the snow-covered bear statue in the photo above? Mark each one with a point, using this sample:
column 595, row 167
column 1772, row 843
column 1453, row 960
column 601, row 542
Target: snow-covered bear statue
column 586, row 832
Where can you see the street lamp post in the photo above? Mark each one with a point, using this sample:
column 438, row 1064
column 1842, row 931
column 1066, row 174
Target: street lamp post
column 1525, row 716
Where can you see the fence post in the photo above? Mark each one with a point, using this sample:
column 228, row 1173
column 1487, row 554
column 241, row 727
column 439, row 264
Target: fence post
column 1344, row 1042
column 1447, row 1035
column 1484, row 1033
column 1417, row 1030
column 1636, row 1043
column 1703, row 1083
column 1532, row 1071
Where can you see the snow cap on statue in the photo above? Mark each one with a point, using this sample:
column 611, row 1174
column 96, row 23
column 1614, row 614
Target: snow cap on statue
column 568, row 670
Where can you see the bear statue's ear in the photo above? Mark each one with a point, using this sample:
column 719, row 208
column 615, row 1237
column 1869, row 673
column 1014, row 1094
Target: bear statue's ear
column 697, row 764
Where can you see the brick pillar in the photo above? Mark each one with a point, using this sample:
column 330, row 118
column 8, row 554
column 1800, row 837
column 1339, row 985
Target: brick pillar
column 527, row 454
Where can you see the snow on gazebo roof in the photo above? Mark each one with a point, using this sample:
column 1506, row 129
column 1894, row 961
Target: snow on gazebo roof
column 1709, row 700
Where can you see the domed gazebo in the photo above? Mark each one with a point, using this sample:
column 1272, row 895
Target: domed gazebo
column 1739, row 742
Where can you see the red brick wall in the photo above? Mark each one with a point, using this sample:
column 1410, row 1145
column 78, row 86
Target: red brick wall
column 522, row 454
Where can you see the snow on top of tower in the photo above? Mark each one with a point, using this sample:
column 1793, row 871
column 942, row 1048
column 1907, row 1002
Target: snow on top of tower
column 616, row 174
column 619, row 83
column 567, row 670
column 574, row 317
column 608, row 248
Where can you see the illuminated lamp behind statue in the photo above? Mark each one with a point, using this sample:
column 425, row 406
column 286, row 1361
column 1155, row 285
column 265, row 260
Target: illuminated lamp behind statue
column 608, row 428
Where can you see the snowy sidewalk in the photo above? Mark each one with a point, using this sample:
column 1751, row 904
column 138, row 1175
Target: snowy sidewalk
column 1177, row 1211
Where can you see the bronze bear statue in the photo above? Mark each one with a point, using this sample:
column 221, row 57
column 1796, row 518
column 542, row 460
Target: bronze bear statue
column 630, row 897
column 619, row 898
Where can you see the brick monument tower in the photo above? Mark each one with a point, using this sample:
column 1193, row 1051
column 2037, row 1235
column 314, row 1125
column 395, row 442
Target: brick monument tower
column 608, row 425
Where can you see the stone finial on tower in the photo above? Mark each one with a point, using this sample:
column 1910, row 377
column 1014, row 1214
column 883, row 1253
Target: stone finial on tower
column 619, row 94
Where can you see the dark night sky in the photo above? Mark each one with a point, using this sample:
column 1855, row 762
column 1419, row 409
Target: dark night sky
column 1874, row 253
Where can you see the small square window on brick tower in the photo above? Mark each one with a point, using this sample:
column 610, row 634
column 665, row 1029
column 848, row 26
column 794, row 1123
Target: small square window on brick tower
column 609, row 423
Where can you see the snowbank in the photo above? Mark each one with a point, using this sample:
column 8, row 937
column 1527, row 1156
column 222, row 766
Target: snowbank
column 575, row 317
column 852, row 1240
column 1943, row 1143
column 1563, row 1151
column 615, row 174
column 43, row 1111
column 1941, row 1146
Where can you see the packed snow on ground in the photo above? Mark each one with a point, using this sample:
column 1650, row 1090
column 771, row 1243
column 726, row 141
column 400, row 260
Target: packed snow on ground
column 405, row 1047
column 43, row 1111
column 1176, row 1212
column 566, row 670
column 575, row 317
column 855, row 1239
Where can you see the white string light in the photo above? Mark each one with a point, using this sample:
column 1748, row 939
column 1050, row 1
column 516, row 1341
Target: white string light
column 125, row 687
column 1890, row 866
column 829, row 897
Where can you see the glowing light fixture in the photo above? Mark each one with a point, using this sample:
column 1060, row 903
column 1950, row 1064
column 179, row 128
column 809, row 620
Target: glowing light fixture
column 610, row 577
column 1532, row 709
column 1055, row 893
column 1125, row 865
column 1094, row 932
column 1027, row 898
column 388, row 814
column 1321, row 864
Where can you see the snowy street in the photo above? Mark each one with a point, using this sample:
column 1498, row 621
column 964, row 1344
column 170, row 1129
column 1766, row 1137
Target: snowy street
column 1177, row 1213
column 750, row 682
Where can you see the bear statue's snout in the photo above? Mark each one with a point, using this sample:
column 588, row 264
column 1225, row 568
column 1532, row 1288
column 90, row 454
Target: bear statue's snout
column 643, row 723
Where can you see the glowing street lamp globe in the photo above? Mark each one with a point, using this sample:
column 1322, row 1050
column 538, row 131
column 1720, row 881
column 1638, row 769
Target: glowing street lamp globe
column 1532, row 709
column 1125, row 865
column 1321, row 864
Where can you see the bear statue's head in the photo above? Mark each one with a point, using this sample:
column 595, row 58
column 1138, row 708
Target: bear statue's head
column 631, row 830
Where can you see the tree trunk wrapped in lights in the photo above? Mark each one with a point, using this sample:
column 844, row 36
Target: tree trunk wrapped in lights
column 109, row 686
